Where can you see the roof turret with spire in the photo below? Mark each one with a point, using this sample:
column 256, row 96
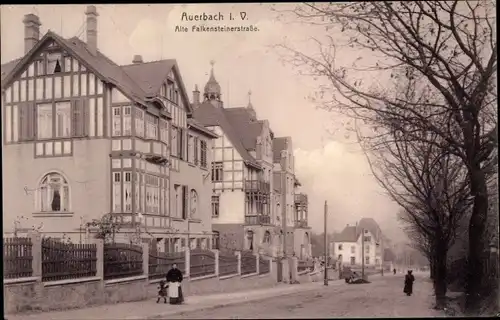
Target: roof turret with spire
column 250, row 109
column 212, row 88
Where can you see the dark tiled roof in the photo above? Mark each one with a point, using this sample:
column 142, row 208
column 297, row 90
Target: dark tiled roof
column 209, row 115
column 8, row 67
column 352, row 233
column 150, row 75
column 349, row 234
column 247, row 128
column 371, row 225
column 279, row 144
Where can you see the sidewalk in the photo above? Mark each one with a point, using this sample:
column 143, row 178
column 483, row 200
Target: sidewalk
column 149, row 309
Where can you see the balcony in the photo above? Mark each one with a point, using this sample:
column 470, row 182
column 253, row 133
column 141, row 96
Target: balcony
column 300, row 198
column 301, row 224
column 257, row 186
column 257, row 220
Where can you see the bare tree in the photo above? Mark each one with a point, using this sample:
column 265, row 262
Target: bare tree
column 450, row 46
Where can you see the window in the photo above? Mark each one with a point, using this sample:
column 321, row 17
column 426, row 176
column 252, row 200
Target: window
column 53, row 194
column 203, row 154
column 215, row 240
column 54, row 63
column 127, row 121
column 117, row 121
column 249, row 242
column 152, row 194
column 215, row 206
column 353, row 249
column 63, row 119
column 190, row 149
column 174, row 145
column 139, row 122
column 367, row 260
column 180, row 142
column 267, row 237
column 194, row 203
column 127, row 191
column 217, row 171
column 44, row 121
column 117, row 187
column 367, row 238
column 184, row 202
column 164, row 131
column 151, row 127
column 177, row 203
column 353, row 260
column 367, row 249
column 195, row 152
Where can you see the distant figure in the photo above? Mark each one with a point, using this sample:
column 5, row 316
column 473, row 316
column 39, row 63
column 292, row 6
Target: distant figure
column 174, row 279
column 394, row 270
column 409, row 279
column 162, row 292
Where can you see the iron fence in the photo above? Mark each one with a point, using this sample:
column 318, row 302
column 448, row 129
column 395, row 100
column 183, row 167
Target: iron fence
column 264, row 265
column 248, row 262
column 202, row 263
column 161, row 263
column 61, row 261
column 122, row 260
column 17, row 258
column 228, row 264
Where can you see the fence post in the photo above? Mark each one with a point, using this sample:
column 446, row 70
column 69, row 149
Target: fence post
column 238, row 254
column 187, row 263
column 36, row 251
column 145, row 259
column 100, row 258
column 216, row 252
column 257, row 259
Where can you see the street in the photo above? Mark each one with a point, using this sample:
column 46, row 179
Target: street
column 382, row 298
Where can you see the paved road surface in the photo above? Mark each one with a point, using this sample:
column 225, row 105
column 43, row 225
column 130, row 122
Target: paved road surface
column 382, row 298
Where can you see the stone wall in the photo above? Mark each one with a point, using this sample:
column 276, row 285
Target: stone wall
column 33, row 295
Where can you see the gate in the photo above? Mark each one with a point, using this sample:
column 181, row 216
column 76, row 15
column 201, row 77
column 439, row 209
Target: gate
column 279, row 271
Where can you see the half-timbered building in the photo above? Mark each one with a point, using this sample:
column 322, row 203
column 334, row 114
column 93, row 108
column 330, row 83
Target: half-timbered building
column 83, row 137
column 241, row 172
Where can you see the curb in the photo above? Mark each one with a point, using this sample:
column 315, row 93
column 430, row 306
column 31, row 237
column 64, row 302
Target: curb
column 221, row 304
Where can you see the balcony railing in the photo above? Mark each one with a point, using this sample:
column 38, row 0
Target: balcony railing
column 255, row 220
column 257, row 186
column 301, row 224
column 301, row 198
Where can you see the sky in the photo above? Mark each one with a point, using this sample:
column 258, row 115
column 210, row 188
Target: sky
column 328, row 166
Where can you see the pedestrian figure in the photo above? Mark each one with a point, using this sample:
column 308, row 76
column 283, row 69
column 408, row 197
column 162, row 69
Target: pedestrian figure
column 394, row 270
column 409, row 279
column 174, row 279
column 162, row 291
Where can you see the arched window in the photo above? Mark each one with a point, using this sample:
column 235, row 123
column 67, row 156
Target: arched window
column 53, row 193
column 194, row 203
column 267, row 237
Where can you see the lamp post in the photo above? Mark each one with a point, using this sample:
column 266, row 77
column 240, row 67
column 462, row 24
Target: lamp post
column 362, row 253
column 326, row 246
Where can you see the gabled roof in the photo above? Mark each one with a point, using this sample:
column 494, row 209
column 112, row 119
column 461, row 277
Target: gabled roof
column 209, row 115
column 349, row 234
column 193, row 124
column 352, row 233
column 139, row 82
column 151, row 75
column 247, row 128
column 99, row 64
column 371, row 225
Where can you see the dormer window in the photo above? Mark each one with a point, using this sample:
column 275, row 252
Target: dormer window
column 54, row 63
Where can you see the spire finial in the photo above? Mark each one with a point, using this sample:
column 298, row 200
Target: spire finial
column 249, row 96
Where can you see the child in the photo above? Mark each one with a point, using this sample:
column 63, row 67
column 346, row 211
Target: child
column 162, row 292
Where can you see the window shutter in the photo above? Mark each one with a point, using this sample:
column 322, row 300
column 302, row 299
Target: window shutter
column 195, row 151
column 30, row 121
column 23, row 122
column 180, row 136
column 74, row 118
column 79, row 118
column 184, row 202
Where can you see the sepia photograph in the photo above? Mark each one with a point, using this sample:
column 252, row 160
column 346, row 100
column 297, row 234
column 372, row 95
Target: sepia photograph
column 250, row 160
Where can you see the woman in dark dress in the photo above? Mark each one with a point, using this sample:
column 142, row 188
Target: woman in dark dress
column 174, row 276
column 409, row 279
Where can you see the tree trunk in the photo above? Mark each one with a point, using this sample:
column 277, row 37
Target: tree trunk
column 440, row 281
column 477, row 227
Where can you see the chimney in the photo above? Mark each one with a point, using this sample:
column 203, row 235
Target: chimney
column 137, row 59
column 31, row 31
column 92, row 15
column 196, row 95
